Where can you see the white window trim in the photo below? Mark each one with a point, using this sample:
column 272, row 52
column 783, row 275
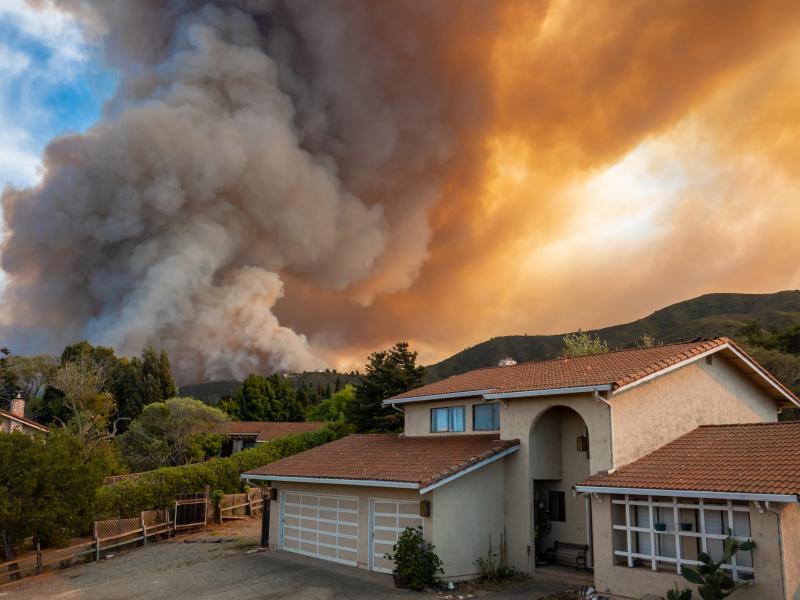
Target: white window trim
column 448, row 409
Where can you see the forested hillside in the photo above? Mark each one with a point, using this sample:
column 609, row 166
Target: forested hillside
column 768, row 325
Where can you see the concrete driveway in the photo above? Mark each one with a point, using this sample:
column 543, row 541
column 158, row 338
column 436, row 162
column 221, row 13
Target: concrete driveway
column 231, row 569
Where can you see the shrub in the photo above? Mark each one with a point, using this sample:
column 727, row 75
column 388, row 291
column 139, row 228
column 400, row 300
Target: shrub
column 712, row 581
column 491, row 567
column 415, row 561
column 157, row 489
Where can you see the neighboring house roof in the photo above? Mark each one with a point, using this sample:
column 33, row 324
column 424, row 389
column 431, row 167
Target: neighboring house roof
column 264, row 431
column 743, row 459
column 610, row 371
column 23, row 421
column 388, row 460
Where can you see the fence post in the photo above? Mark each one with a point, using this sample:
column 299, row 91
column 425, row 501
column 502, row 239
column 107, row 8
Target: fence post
column 38, row 557
column 144, row 528
column 96, row 542
column 249, row 504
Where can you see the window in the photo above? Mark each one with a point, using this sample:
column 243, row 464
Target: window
column 664, row 534
column 449, row 418
column 486, row 417
column 556, row 506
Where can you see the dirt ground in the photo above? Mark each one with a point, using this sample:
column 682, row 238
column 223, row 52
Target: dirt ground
column 227, row 564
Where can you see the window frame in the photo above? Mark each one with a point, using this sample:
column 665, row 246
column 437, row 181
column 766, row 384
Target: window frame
column 449, row 419
column 559, row 515
column 495, row 406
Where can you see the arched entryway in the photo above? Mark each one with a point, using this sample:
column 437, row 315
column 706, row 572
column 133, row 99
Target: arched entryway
column 559, row 446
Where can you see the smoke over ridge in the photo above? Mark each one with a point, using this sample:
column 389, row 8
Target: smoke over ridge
column 276, row 185
column 246, row 139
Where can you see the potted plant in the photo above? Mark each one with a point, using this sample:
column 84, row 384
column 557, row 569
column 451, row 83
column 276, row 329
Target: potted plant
column 660, row 526
column 416, row 565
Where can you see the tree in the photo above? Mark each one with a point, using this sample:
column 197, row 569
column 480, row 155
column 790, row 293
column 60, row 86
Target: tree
column 46, row 490
column 582, row 343
column 33, row 373
column 263, row 398
column 176, row 432
column 133, row 382
column 333, row 409
column 89, row 409
column 387, row 373
column 8, row 379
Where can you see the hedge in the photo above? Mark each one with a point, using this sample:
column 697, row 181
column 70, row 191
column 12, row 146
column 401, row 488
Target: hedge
column 157, row 489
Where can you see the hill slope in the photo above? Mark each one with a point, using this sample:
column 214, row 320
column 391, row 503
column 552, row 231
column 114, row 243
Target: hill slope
column 706, row 316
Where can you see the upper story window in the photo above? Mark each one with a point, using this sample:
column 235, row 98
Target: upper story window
column 448, row 418
column 486, row 417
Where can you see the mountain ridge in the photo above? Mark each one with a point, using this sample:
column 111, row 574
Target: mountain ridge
column 709, row 315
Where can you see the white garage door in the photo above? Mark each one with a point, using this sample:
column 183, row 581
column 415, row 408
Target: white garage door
column 389, row 519
column 320, row 526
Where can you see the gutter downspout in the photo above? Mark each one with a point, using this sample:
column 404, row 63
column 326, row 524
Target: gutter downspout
column 777, row 514
column 599, row 398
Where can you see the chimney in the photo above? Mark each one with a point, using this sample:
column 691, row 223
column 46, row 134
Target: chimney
column 18, row 406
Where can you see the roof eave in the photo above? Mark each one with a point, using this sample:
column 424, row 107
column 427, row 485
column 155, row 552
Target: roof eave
column 705, row 494
column 431, row 397
column 331, row 481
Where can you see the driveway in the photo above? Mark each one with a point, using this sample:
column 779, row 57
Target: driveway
column 223, row 569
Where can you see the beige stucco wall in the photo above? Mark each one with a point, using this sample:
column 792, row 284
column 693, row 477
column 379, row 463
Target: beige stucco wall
column 418, row 416
column 573, row 468
column 517, row 422
column 790, row 542
column 466, row 513
column 638, row 581
column 649, row 415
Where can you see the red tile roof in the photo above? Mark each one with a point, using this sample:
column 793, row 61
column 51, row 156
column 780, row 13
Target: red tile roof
column 267, row 430
column 388, row 457
column 754, row 458
column 23, row 420
column 615, row 369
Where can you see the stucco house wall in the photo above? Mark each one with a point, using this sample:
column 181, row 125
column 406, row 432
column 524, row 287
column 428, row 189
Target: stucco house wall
column 790, row 548
column 517, row 422
column 638, row 581
column 573, row 467
column 418, row 417
column 655, row 412
column 467, row 512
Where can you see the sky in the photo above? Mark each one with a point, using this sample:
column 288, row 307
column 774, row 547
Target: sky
column 50, row 83
column 457, row 173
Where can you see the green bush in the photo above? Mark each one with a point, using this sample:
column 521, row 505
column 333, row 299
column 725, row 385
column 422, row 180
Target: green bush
column 415, row 561
column 157, row 489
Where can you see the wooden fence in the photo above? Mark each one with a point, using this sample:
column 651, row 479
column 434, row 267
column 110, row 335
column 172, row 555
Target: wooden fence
column 149, row 526
column 241, row 506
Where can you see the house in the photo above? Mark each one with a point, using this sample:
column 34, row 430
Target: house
column 15, row 420
column 544, row 455
column 241, row 435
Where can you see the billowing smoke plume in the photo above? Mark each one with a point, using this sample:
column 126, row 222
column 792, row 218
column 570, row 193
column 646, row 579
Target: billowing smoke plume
column 364, row 171
column 247, row 141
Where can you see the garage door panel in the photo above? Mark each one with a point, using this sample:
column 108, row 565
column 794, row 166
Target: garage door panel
column 322, row 526
column 389, row 519
column 403, row 522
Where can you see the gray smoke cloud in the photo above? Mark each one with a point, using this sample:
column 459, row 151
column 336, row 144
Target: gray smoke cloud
column 246, row 141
